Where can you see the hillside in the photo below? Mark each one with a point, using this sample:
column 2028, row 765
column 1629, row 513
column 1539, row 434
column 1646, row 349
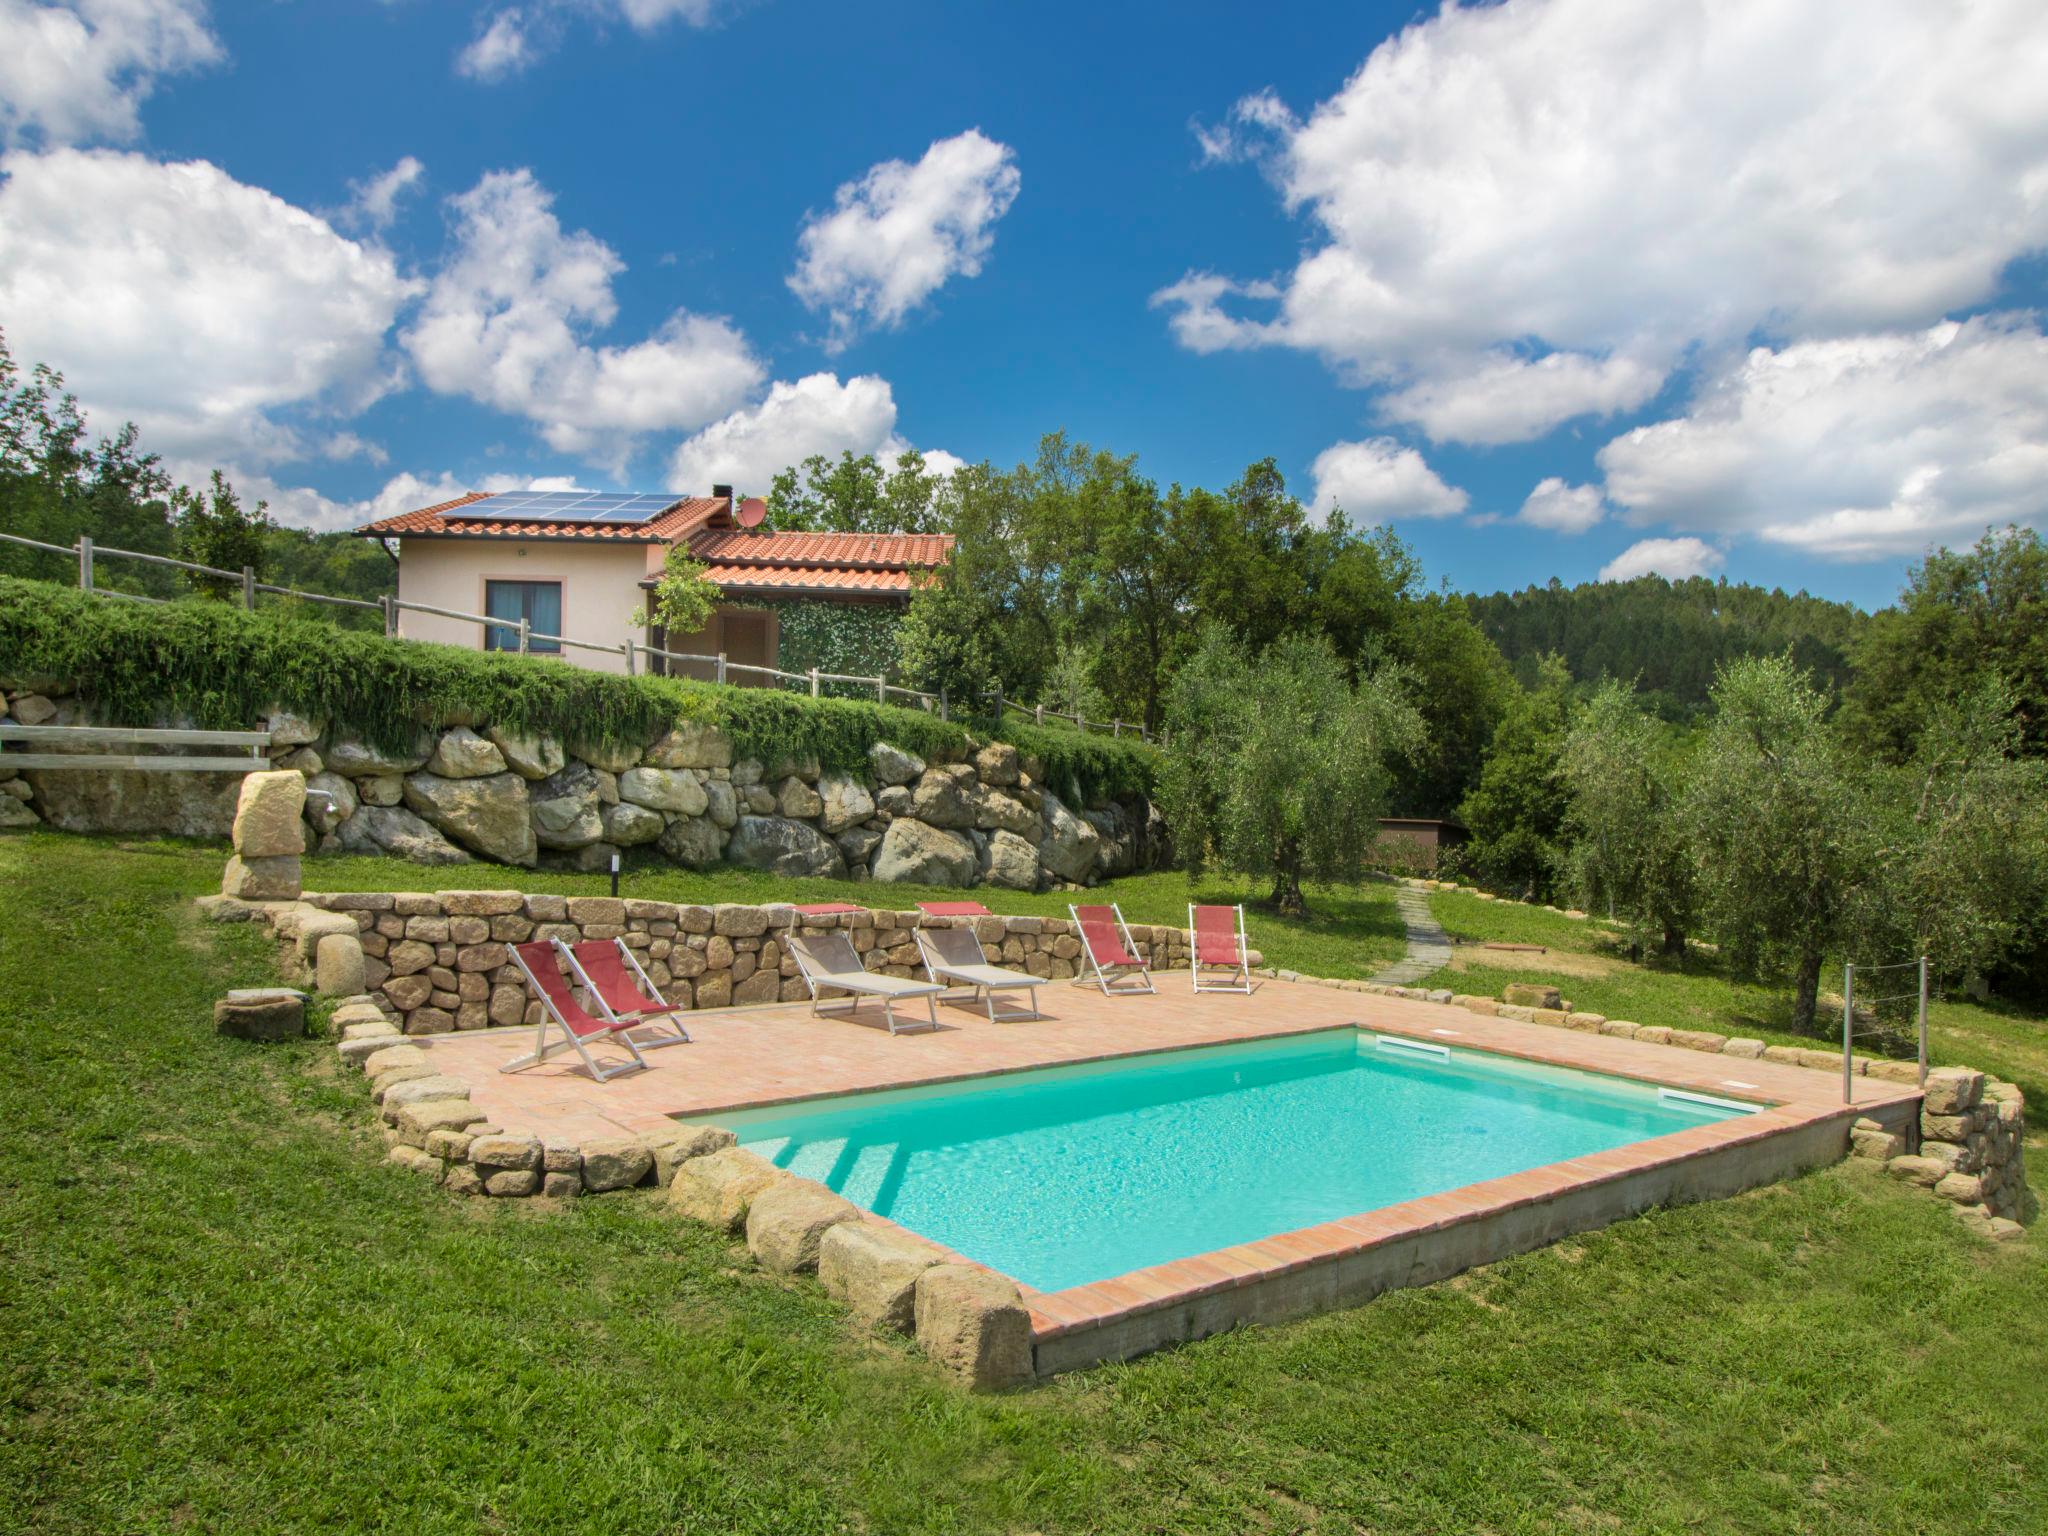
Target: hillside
column 1667, row 635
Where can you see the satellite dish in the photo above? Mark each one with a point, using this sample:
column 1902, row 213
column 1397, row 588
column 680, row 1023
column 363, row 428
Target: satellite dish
column 752, row 512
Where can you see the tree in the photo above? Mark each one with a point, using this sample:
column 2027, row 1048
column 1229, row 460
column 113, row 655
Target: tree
column 212, row 527
column 684, row 596
column 1962, row 618
column 1627, row 847
column 1781, row 826
column 1515, row 812
column 1963, row 860
column 855, row 495
column 1279, row 766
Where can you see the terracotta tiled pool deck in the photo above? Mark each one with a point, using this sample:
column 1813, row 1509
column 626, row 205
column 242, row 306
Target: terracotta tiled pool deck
column 748, row 1057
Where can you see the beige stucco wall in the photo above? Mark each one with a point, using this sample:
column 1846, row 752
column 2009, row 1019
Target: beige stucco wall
column 600, row 588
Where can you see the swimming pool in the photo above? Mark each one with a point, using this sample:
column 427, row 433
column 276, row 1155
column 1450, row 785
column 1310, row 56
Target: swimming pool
column 1062, row 1176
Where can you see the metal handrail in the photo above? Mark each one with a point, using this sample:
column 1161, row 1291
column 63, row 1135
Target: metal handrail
column 86, row 552
column 1849, row 1030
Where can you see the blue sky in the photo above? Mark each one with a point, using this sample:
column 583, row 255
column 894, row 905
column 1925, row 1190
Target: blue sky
column 1553, row 287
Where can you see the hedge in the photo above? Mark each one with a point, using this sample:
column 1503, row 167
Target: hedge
column 223, row 668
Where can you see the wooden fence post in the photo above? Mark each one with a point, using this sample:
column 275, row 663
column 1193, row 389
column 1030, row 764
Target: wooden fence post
column 881, row 691
column 720, row 677
column 525, row 635
column 629, row 655
column 249, row 588
column 84, row 563
column 390, row 606
column 814, row 682
column 943, row 715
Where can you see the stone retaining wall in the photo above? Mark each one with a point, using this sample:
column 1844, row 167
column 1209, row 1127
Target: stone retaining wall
column 440, row 961
column 463, row 793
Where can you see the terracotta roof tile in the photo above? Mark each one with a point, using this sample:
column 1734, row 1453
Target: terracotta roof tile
column 814, row 578
column 847, row 550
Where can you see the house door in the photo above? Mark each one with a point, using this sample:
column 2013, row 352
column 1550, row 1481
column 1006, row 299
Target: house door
column 749, row 639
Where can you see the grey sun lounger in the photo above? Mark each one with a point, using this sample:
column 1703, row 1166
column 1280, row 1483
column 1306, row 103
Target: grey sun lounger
column 954, row 955
column 828, row 962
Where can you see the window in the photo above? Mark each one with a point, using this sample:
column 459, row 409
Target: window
column 537, row 602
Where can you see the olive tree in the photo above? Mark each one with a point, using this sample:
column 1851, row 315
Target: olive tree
column 1962, row 871
column 1780, row 822
column 1627, row 847
column 1278, row 766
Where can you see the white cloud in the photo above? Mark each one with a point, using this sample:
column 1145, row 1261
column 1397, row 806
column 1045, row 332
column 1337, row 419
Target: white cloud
column 500, row 50
column 1673, row 559
column 816, row 414
column 1563, row 508
column 80, row 69
column 373, row 203
column 895, row 236
column 514, row 39
column 300, row 506
column 1507, row 399
column 505, row 322
column 1378, row 480
column 176, row 296
column 1856, row 448
column 1618, row 184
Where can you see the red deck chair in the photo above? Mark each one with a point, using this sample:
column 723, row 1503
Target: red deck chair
column 1112, row 952
column 537, row 962
column 612, row 978
column 1218, row 944
column 953, row 909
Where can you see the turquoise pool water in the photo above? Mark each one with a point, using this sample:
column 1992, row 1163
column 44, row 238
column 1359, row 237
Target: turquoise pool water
column 1065, row 1175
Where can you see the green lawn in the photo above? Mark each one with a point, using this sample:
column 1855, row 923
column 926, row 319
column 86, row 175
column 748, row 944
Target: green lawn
column 1700, row 994
column 222, row 1312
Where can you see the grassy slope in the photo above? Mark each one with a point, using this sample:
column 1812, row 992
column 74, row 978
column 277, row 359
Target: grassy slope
column 222, row 1312
column 1701, row 995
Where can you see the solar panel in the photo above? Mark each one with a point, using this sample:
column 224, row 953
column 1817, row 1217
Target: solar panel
column 570, row 507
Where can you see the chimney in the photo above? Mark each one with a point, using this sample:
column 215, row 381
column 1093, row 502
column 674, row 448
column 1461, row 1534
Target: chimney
column 723, row 493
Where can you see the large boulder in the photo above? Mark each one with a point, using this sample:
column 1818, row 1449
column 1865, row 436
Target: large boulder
column 696, row 842
column 996, row 811
column 627, row 824
column 262, row 879
column 1012, row 863
column 859, row 844
column 290, row 730
column 330, row 800
column 489, row 815
column 261, row 1013
column 567, row 808
column 945, row 797
column 691, row 745
column 796, row 800
column 664, row 789
column 972, row 1323
column 720, row 803
column 1067, row 846
column 997, row 764
column 921, row 854
column 787, row 1221
column 268, row 815
column 462, row 754
column 120, row 800
column 893, row 765
column 352, row 758
column 612, row 757
column 380, row 829
column 718, row 1189
column 784, row 847
column 531, row 757
column 843, row 802
column 872, row 1269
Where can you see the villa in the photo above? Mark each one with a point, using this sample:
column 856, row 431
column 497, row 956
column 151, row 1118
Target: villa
column 583, row 565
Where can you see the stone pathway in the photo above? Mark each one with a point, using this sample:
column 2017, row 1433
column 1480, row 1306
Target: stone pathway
column 1429, row 947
